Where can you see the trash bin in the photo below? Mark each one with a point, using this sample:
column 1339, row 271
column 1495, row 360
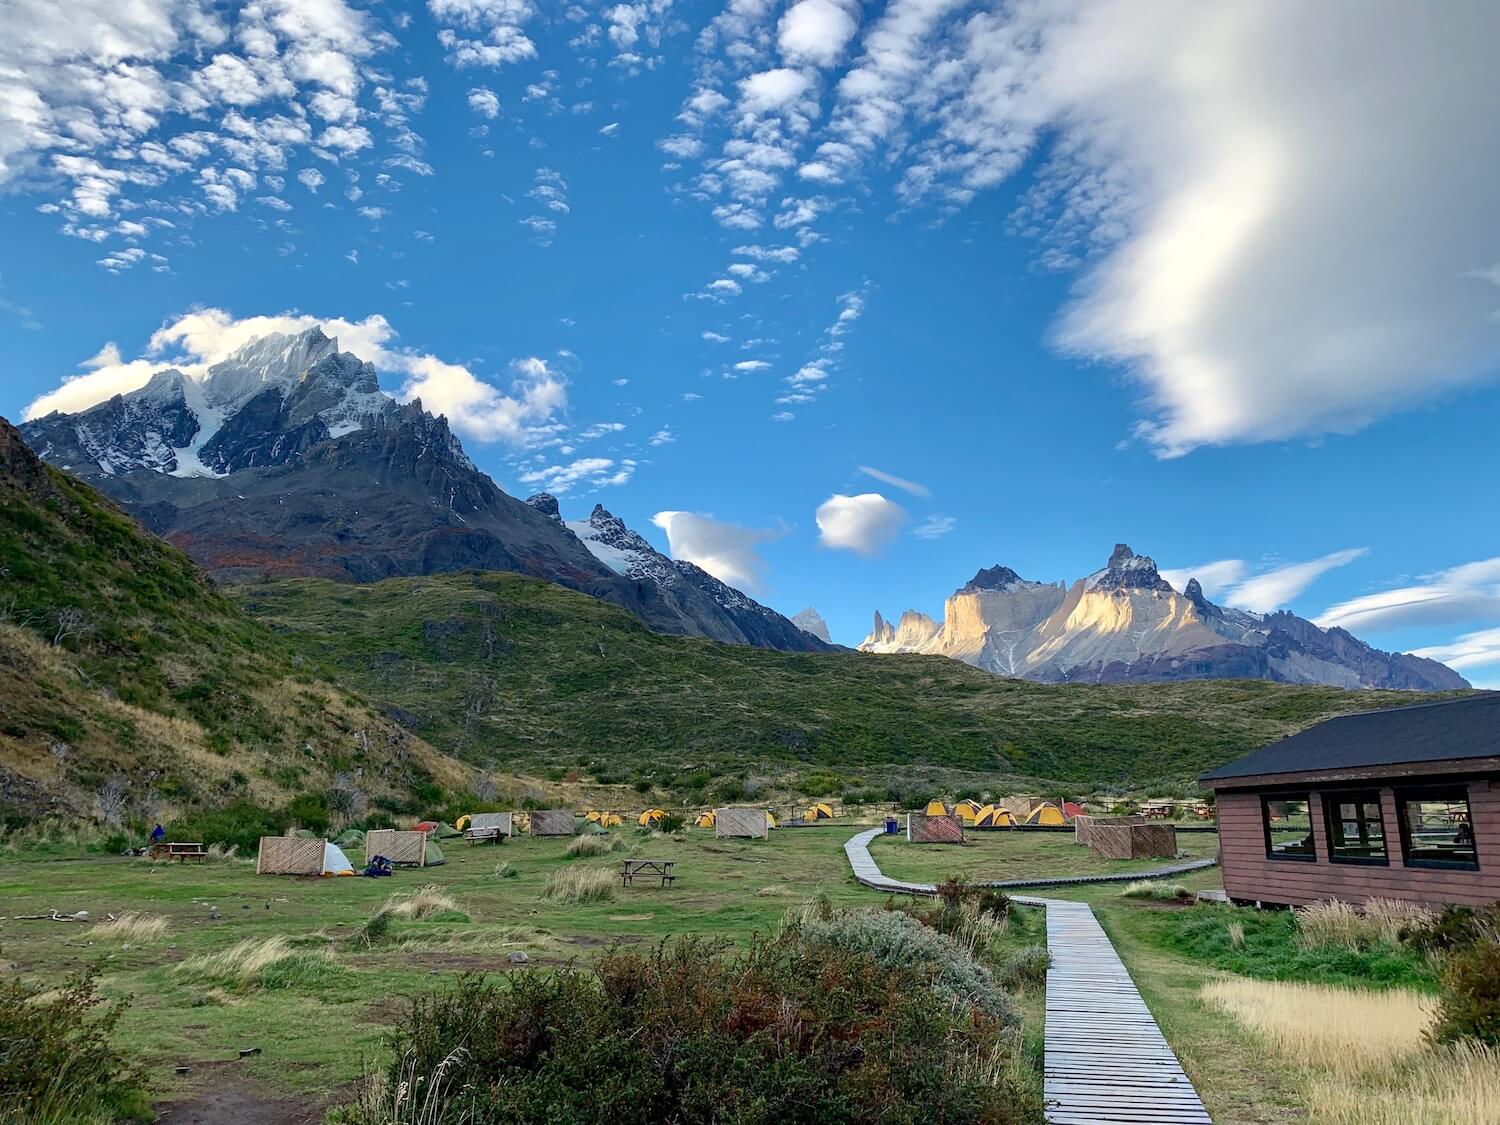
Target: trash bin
column 892, row 826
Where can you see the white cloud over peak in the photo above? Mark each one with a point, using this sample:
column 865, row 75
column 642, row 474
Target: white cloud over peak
column 1275, row 589
column 1214, row 577
column 194, row 342
column 1454, row 596
column 725, row 550
column 865, row 523
column 596, row 472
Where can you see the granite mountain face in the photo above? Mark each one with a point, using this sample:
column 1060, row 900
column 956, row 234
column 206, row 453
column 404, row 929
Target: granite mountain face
column 286, row 459
column 1126, row 623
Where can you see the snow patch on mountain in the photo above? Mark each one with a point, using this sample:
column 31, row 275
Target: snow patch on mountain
column 811, row 621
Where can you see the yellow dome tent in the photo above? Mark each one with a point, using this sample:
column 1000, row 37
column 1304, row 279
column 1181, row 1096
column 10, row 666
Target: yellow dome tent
column 608, row 820
column 705, row 819
column 935, row 808
column 820, row 810
column 967, row 811
column 462, row 822
column 992, row 816
column 770, row 820
column 651, row 817
column 1048, row 815
column 591, row 816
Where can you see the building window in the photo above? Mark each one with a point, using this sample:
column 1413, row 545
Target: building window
column 1437, row 827
column 1288, row 824
column 1356, row 833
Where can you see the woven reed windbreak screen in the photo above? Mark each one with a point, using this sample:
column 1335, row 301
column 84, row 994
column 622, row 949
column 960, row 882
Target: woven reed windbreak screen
column 1084, row 825
column 488, row 821
column 289, row 855
column 1133, row 841
column 741, row 823
column 924, row 829
column 552, row 822
column 402, row 848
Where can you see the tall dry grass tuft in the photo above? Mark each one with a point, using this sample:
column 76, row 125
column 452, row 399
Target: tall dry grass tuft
column 420, row 904
column 1364, row 1055
column 589, row 846
column 131, row 928
column 1236, row 931
column 269, row 963
column 580, row 884
column 1340, row 1030
column 224, row 853
column 1155, row 888
column 1457, row 1085
column 1333, row 924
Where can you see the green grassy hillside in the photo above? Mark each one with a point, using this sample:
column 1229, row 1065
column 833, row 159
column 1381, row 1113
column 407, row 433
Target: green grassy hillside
column 517, row 674
column 129, row 685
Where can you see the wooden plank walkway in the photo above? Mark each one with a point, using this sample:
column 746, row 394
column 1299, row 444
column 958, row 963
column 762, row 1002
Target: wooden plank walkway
column 1106, row 1060
column 1107, row 1063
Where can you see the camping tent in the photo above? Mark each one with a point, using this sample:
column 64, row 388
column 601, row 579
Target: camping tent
column 992, row 816
column 1049, row 816
column 967, row 811
column 1072, row 809
column 603, row 819
column 335, row 862
column 935, row 808
column 770, row 819
column 819, row 810
column 651, row 817
column 351, row 838
column 705, row 819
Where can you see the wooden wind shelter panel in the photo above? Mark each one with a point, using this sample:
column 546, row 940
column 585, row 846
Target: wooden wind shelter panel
column 741, row 823
column 289, row 855
column 1132, row 841
column 407, row 849
column 552, row 822
column 490, row 822
column 924, row 829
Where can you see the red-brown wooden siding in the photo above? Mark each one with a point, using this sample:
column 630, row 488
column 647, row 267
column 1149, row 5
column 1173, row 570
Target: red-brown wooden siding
column 1250, row 875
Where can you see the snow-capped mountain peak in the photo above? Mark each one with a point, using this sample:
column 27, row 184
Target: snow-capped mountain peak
column 811, row 621
column 619, row 548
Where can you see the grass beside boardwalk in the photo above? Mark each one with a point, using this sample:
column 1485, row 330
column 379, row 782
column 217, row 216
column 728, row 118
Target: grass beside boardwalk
column 1005, row 854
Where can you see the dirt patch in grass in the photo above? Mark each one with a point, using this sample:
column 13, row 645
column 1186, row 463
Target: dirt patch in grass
column 595, row 941
column 228, row 1101
column 631, row 917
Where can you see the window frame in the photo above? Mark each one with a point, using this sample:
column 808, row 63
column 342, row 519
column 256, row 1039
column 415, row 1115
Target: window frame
column 1305, row 796
column 1433, row 792
column 1331, row 800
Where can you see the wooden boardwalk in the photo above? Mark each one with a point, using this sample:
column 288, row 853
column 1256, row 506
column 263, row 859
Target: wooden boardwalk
column 1107, row 1063
column 1106, row 1060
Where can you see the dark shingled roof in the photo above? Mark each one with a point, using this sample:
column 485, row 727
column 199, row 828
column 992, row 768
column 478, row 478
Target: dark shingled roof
column 1468, row 727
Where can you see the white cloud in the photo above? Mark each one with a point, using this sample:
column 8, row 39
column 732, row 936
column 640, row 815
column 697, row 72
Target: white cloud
column 663, row 436
column 864, row 524
column 1212, row 576
column 750, row 366
column 599, row 430
column 1275, row 589
column 484, row 102
column 195, row 341
column 725, row 550
column 886, row 478
column 311, row 179
column 934, row 527
column 609, row 130
column 773, row 90
column 715, row 337
column 816, row 31
column 1450, row 597
column 1479, row 649
column 596, row 472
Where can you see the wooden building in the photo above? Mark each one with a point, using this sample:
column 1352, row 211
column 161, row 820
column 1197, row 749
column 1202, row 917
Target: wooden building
column 1402, row 803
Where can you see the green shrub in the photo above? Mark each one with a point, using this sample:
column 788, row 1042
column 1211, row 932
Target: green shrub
column 239, row 823
column 1026, row 966
column 56, row 1060
column 894, row 939
column 671, row 824
column 1470, row 978
column 788, row 1030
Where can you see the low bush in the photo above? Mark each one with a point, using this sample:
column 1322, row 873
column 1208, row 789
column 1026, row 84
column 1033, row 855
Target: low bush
column 1026, row 966
column 692, row 1032
column 505, row 870
column 1469, row 1007
column 57, row 1061
column 580, row 884
column 587, row 846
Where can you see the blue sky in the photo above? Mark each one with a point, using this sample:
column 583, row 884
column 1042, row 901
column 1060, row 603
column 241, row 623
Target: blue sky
column 1061, row 273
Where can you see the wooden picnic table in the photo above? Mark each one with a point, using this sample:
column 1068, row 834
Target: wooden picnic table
column 179, row 851
column 631, row 869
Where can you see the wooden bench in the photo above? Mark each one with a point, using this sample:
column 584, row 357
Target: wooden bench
column 179, row 851
column 631, row 869
column 480, row 835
